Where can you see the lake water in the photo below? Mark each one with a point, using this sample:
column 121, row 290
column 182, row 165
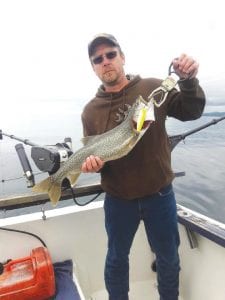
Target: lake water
column 201, row 157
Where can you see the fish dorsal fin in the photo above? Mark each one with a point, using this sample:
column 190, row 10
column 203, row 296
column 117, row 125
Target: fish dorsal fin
column 88, row 139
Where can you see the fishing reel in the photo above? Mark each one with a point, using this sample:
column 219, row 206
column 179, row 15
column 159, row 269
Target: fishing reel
column 47, row 158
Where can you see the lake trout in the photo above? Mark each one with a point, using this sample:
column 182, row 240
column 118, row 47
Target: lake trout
column 110, row 145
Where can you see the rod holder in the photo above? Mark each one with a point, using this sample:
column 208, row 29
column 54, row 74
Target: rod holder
column 25, row 164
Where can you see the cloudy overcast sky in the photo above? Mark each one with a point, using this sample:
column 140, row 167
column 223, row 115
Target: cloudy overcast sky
column 43, row 52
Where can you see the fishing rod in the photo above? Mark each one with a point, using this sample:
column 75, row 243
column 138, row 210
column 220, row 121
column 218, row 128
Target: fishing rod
column 25, row 141
column 46, row 158
column 175, row 139
column 49, row 158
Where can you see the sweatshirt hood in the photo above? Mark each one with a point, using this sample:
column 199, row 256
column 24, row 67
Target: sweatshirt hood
column 101, row 93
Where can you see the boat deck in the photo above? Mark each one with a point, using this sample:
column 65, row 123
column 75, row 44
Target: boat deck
column 78, row 234
column 143, row 290
column 138, row 290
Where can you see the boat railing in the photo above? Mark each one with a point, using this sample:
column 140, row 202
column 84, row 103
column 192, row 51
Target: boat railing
column 31, row 199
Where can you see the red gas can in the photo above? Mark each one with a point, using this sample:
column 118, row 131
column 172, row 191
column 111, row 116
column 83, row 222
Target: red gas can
column 28, row 278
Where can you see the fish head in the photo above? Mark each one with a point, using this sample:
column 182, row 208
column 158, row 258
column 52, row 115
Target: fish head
column 142, row 115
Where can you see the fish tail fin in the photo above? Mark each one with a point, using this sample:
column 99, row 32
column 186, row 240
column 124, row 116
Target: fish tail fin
column 55, row 193
column 47, row 186
column 43, row 186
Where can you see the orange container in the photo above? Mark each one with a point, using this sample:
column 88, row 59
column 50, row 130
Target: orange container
column 28, row 278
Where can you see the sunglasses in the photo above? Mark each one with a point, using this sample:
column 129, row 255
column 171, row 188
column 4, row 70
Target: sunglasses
column 99, row 59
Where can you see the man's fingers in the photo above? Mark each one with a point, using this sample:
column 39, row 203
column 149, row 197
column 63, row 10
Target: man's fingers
column 185, row 66
column 92, row 164
column 99, row 162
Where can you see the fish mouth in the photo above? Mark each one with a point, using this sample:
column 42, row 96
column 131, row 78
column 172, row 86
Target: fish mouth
column 146, row 124
column 143, row 115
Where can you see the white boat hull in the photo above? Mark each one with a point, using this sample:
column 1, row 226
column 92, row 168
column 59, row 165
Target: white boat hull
column 78, row 233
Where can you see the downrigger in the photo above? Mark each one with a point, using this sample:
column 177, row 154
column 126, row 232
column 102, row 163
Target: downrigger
column 47, row 158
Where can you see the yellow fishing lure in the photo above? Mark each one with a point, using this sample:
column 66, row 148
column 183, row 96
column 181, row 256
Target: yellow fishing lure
column 141, row 119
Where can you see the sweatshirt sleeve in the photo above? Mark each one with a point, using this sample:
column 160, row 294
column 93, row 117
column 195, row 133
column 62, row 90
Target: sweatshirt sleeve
column 188, row 103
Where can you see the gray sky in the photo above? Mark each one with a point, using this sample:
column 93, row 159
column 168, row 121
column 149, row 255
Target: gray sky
column 43, row 52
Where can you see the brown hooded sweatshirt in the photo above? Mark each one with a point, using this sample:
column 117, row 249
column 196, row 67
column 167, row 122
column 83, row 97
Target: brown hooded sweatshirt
column 147, row 168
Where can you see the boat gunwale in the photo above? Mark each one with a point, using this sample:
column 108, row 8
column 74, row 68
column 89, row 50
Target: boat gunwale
column 194, row 221
column 201, row 224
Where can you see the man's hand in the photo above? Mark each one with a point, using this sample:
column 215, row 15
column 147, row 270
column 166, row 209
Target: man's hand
column 92, row 164
column 185, row 66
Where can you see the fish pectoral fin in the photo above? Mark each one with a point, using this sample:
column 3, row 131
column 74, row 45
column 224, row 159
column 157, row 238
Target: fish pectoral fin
column 133, row 141
column 73, row 177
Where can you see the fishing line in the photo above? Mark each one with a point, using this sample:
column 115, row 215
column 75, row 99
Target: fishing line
column 17, row 178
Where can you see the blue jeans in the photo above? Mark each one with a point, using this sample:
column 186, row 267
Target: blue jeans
column 122, row 219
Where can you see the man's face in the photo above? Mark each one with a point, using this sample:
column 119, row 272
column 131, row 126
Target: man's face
column 107, row 62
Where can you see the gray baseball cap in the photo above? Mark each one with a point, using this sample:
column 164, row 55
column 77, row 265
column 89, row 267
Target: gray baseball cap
column 101, row 39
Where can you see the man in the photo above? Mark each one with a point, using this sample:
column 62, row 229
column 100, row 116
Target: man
column 138, row 186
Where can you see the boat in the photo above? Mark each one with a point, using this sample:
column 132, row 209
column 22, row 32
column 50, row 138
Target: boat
column 76, row 234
